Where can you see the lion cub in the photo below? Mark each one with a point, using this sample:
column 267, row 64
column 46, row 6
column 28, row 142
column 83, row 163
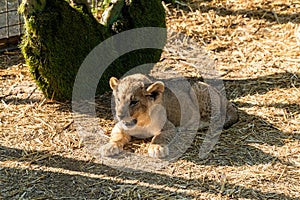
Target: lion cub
column 145, row 108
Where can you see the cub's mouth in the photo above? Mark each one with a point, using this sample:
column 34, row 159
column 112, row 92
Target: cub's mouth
column 129, row 124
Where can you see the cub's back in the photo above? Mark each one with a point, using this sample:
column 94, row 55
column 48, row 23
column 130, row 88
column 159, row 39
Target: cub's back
column 183, row 98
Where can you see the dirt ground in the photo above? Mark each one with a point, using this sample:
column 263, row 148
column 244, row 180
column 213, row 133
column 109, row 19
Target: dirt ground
column 255, row 48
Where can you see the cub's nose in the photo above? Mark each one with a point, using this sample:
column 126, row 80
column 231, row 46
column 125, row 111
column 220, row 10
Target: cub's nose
column 130, row 124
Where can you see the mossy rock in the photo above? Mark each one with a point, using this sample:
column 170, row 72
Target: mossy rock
column 58, row 37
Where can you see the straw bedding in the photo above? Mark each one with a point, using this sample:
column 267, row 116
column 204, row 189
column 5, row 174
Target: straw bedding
column 255, row 48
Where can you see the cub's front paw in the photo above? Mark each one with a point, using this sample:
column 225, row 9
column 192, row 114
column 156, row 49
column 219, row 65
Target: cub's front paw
column 110, row 149
column 158, row 151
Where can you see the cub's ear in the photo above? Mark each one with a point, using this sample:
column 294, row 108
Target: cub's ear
column 156, row 88
column 113, row 82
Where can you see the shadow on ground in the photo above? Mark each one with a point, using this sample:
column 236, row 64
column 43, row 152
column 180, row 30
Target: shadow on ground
column 70, row 178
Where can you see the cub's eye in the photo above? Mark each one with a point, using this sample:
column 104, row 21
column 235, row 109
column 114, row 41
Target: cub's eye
column 133, row 103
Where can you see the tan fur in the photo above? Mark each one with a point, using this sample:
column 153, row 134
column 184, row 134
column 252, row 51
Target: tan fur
column 144, row 108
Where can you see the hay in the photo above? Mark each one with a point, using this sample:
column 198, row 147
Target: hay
column 258, row 158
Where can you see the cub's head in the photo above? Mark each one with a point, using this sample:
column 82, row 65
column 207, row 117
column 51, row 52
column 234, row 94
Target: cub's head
column 135, row 97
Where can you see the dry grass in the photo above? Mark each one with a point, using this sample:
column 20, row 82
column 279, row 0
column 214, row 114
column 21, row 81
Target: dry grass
column 255, row 48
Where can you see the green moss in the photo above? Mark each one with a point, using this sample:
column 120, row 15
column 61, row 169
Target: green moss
column 59, row 37
column 55, row 43
column 136, row 14
column 143, row 13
